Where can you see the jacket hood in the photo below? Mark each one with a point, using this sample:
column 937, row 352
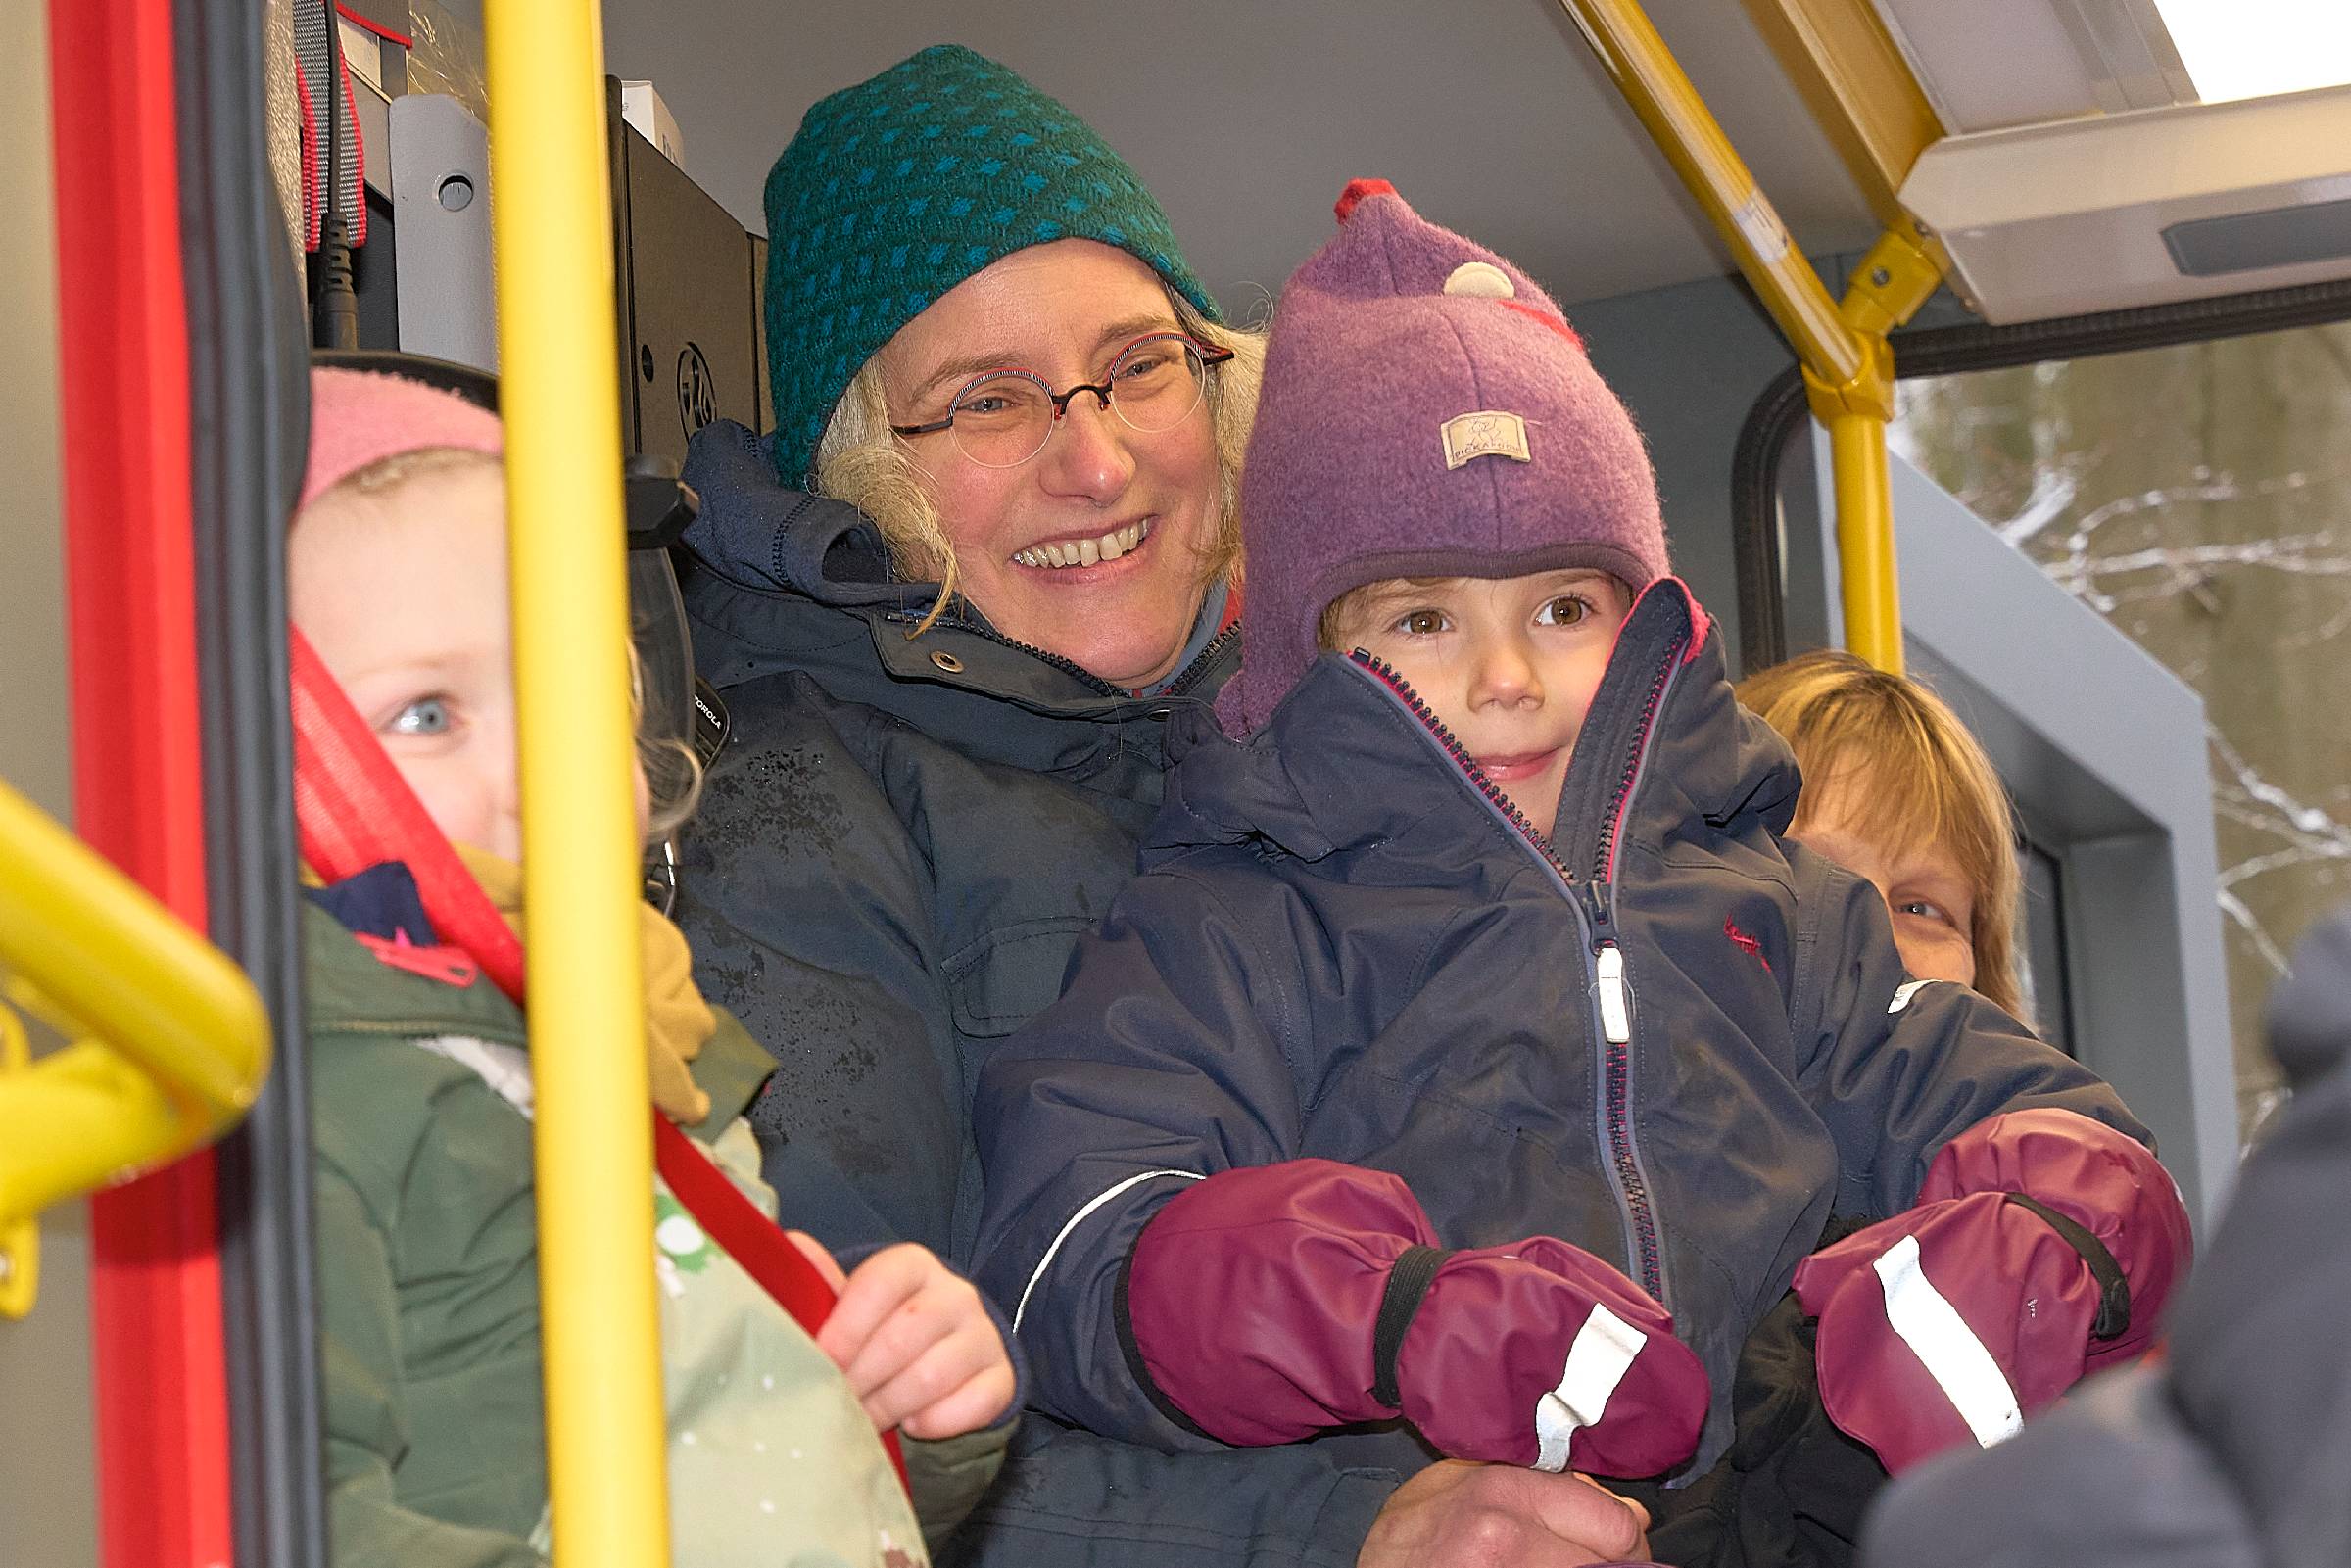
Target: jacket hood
column 1345, row 764
column 765, row 535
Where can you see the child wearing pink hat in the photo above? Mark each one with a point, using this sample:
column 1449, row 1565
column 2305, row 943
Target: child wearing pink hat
column 422, row 1097
column 1474, row 1063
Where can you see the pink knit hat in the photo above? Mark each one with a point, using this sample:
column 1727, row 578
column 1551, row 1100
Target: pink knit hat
column 359, row 417
column 1427, row 411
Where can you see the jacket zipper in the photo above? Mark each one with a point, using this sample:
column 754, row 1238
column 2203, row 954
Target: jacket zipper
column 1615, row 1003
column 1604, row 959
column 1177, row 685
column 1504, row 807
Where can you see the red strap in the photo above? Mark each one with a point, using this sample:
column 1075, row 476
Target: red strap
column 735, row 1224
column 356, row 811
column 370, row 24
column 753, row 1239
column 312, row 209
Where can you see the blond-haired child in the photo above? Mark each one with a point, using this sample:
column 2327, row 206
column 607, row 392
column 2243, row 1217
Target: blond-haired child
column 1897, row 789
column 422, row 1104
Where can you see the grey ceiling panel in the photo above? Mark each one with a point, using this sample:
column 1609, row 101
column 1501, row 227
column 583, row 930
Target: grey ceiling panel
column 1247, row 116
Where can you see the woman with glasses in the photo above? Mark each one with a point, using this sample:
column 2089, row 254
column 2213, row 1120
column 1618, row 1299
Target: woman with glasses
column 954, row 602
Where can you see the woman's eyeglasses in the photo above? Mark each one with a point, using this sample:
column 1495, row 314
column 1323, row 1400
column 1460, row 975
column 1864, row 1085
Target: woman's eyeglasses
column 1002, row 418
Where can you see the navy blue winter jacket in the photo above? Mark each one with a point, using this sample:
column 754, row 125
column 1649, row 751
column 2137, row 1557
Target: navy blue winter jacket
column 1667, row 1036
column 894, row 857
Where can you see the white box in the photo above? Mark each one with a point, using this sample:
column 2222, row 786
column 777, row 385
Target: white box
column 641, row 106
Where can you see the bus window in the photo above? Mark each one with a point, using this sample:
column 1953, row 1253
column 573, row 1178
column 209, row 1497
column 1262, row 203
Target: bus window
column 2196, row 497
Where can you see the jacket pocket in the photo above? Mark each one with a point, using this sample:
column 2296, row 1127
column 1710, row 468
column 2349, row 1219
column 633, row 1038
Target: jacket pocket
column 1014, row 972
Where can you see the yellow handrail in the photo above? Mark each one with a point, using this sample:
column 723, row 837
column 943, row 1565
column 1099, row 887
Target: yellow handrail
column 1847, row 365
column 171, row 1044
column 551, row 211
column 19, row 1236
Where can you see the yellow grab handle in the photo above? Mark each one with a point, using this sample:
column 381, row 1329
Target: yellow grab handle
column 20, row 1238
column 1685, row 130
column 171, row 1043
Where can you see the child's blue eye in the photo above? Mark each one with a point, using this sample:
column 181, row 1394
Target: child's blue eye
column 424, row 716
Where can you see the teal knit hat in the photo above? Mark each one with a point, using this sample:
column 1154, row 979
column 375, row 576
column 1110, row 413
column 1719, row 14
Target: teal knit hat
column 899, row 188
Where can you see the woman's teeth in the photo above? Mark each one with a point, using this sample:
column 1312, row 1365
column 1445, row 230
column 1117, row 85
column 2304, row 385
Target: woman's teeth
column 1088, row 552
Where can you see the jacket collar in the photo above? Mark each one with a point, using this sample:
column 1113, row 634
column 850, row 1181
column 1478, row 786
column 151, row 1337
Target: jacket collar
column 1346, row 766
column 782, row 580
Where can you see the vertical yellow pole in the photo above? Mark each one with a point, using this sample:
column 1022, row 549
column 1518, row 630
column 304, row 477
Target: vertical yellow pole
column 1849, row 368
column 1867, row 588
column 551, row 218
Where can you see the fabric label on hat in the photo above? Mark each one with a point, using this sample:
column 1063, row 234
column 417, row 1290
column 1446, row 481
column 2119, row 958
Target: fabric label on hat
column 1488, row 433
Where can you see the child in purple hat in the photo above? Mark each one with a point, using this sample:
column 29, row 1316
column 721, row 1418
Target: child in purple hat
column 1474, row 1063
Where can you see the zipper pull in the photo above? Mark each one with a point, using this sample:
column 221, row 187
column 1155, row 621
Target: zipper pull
column 1615, row 1008
column 1596, row 904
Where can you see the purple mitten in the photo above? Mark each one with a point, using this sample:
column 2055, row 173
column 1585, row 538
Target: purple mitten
column 2044, row 1245
column 1269, row 1304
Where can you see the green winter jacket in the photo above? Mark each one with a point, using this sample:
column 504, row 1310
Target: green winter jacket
column 429, row 1312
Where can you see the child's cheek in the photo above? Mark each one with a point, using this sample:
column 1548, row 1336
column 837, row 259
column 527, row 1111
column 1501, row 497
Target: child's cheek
column 457, row 811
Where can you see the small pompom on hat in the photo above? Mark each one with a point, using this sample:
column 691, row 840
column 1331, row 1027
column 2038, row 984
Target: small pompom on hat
column 899, row 188
column 1427, row 411
column 361, row 417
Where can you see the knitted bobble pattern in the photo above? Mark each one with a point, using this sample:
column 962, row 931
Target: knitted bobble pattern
column 899, row 188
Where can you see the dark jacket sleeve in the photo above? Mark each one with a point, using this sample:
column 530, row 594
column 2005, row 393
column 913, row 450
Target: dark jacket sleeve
column 1153, row 1070
column 366, row 1428
column 1068, row 1498
column 1898, row 1067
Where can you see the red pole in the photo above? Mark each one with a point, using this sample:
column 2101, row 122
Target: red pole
column 162, row 1389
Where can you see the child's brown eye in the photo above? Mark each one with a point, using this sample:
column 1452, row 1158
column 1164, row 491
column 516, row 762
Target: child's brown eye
column 1567, row 610
column 1421, row 623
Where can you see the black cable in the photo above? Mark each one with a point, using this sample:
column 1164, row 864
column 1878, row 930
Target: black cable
column 248, row 400
column 336, row 324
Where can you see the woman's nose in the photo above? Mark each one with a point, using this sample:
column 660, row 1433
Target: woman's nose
column 1087, row 454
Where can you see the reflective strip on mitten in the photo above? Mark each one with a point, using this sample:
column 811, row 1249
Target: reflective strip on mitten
column 2045, row 1245
column 1538, row 1354
column 1266, row 1305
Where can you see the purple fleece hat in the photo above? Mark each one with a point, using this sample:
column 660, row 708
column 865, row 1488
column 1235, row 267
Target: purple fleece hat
column 1427, row 411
